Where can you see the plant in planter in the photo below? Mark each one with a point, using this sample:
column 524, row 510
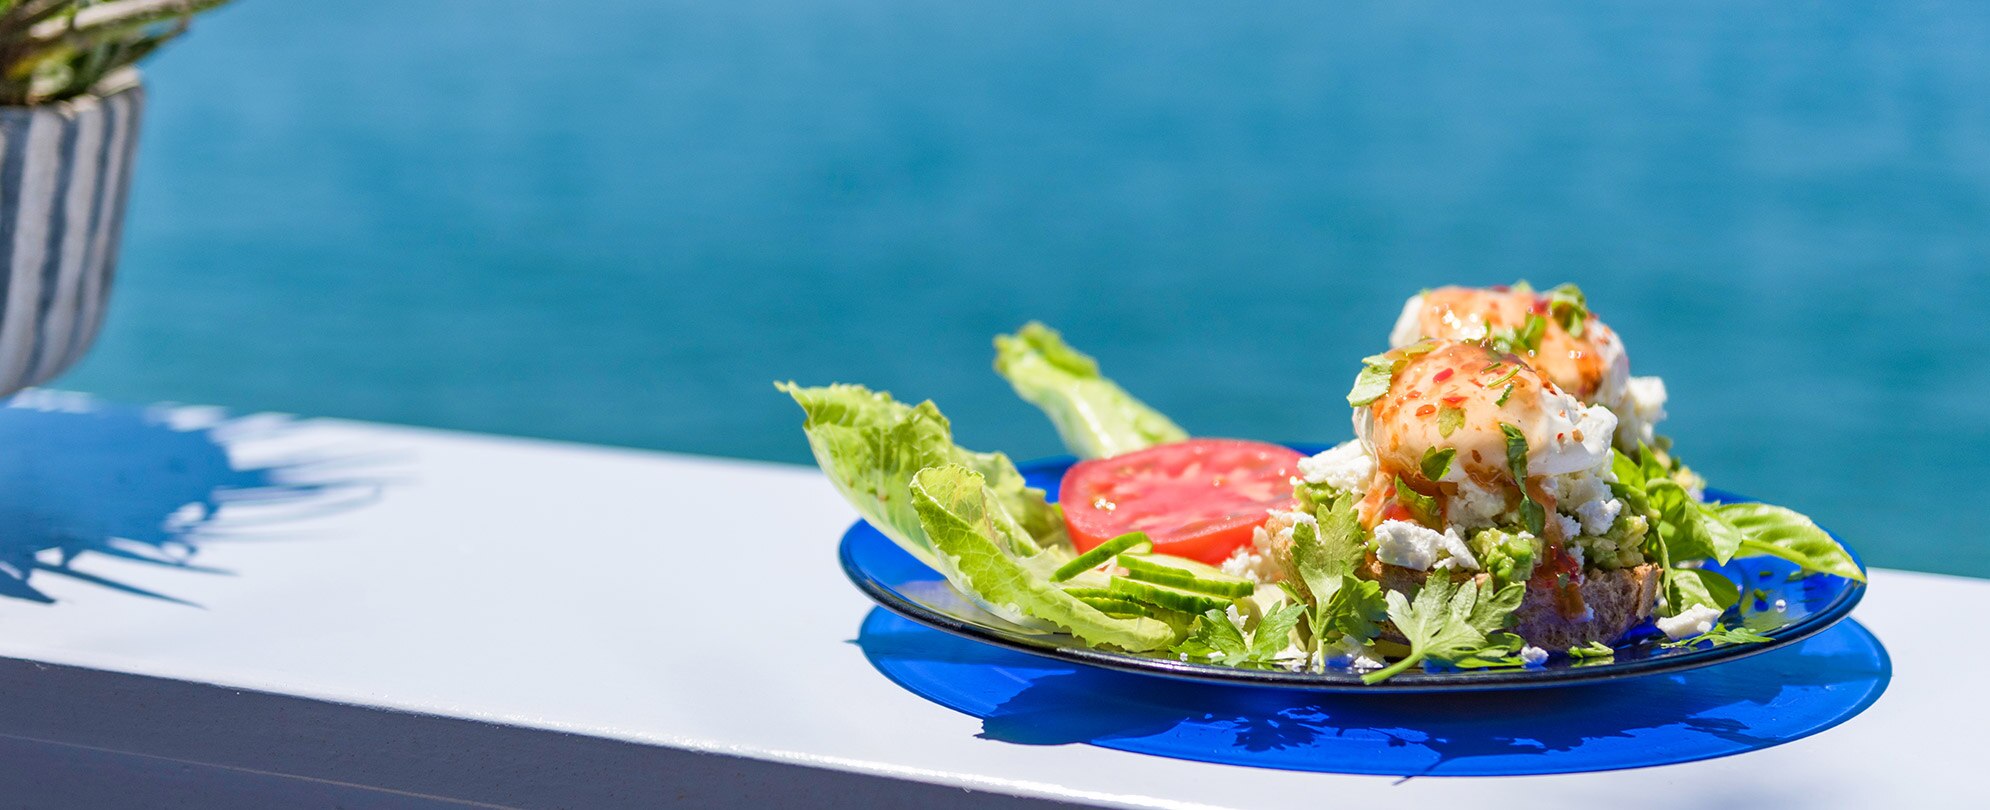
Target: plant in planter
column 69, row 108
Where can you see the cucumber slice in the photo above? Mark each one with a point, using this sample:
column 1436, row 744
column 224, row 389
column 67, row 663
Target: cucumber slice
column 1093, row 593
column 1176, row 619
column 1107, row 550
column 1111, row 605
column 1172, row 598
column 1187, row 575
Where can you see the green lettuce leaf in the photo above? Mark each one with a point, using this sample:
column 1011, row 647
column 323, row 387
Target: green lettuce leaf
column 1094, row 416
column 1774, row 531
column 985, row 554
column 870, row 446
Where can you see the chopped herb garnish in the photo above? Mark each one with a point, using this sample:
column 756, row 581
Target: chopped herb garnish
column 1531, row 510
column 1721, row 635
column 1437, row 462
column 1516, row 451
column 1422, row 507
column 1504, row 377
column 1449, row 419
column 1503, row 395
column 1371, row 384
column 1529, row 335
column 1569, row 308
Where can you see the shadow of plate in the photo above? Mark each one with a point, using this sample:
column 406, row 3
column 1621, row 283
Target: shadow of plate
column 1716, row 711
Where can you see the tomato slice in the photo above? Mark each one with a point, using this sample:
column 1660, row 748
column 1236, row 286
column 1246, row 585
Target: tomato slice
column 1198, row 499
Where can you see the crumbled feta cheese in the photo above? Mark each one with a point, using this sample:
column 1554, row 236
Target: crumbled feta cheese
column 1599, row 516
column 1571, row 528
column 1690, row 622
column 1281, row 522
column 1581, row 487
column 1782, row 604
column 1474, row 506
column 1533, row 656
column 1408, row 545
column 1643, row 406
column 1460, row 555
column 1249, row 564
column 1351, row 653
column 1347, row 466
column 1581, row 557
column 1292, row 657
column 1575, row 436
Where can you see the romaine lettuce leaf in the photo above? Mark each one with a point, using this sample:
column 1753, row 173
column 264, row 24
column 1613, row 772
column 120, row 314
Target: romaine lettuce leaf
column 1094, row 416
column 983, row 550
column 870, row 446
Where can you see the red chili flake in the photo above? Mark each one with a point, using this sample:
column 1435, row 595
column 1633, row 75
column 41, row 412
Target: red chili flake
column 1442, row 376
column 1453, row 400
column 1414, row 395
column 1500, row 288
column 1540, row 306
column 1561, row 437
column 1426, row 410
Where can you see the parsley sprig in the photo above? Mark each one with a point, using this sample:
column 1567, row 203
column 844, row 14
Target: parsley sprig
column 1215, row 639
column 1449, row 623
column 1327, row 552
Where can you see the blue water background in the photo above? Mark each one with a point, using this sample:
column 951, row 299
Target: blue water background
column 618, row 220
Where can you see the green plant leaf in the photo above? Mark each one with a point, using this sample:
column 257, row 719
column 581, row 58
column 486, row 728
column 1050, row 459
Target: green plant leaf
column 870, row 446
column 1094, row 416
column 977, row 542
column 1774, row 531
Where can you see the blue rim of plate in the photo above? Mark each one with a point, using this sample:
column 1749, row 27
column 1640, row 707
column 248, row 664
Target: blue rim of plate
column 885, row 572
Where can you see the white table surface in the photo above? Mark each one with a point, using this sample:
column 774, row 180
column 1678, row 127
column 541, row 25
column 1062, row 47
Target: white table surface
column 521, row 582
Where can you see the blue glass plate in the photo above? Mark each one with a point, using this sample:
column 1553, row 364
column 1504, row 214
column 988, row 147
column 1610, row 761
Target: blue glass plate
column 1778, row 601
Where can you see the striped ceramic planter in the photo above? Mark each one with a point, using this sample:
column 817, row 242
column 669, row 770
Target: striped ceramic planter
column 64, row 171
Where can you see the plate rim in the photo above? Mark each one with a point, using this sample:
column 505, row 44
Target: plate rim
column 1409, row 682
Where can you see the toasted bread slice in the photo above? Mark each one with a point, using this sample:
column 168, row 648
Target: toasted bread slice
column 1618, row 601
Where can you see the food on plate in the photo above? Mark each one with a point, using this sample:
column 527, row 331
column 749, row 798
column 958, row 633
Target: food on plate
column 1559, row 336
column 1490, row 512
column 1198, row 498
